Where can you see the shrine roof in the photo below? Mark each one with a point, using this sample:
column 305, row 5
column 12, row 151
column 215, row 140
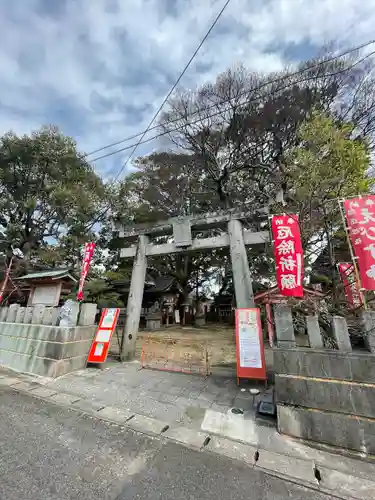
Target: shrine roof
column 274, row 292
column 53, row 274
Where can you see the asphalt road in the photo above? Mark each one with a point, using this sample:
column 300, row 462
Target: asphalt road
column 49, row 452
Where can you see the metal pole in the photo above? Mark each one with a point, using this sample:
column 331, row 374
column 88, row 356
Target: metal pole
column 352, row 256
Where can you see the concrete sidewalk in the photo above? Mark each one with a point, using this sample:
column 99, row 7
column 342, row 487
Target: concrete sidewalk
column 194, row 411
column 171, row 397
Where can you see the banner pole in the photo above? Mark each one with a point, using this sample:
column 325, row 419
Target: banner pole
column 352, row 256
column 6, row 278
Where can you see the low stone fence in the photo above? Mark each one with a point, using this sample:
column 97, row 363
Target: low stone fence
column 45, row 341
column 326, row 395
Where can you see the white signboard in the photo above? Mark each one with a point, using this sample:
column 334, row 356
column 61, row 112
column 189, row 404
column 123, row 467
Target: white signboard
column 103, row 336
column 249, row 344
column 47, row 295
column 109, row 318
column 99, row 348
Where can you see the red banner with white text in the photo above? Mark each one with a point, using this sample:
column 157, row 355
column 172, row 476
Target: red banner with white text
column 360, row 216
column 288, row 254
column 89, row 252
column 348, row 278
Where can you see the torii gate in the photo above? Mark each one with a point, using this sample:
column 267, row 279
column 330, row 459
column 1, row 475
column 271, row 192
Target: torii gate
column 233, row 235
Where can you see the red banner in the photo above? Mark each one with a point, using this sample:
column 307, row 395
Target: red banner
column 352, row 292
column 89, row 252
column 288, row 254
column 360, row 216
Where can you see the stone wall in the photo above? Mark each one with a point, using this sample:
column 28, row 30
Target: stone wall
column 45, row 341
column 326, row 395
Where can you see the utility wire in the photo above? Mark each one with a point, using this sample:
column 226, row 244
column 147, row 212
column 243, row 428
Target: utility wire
column 165, row 100
column 247, row 101
column 291, row 75
column 218, row 113
column 172, row 89
column 285, row 77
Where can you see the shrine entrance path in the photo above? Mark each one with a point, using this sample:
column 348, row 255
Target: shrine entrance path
column 169, row 397
column 219, row 338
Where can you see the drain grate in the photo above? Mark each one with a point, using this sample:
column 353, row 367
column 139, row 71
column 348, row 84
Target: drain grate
column 317, row 473
column 237, row 411
column 206, row 441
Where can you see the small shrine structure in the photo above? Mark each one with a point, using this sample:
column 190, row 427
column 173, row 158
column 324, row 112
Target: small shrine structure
column 273, row 296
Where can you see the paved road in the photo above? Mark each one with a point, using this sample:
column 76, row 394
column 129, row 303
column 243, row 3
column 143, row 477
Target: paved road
column 53, row 453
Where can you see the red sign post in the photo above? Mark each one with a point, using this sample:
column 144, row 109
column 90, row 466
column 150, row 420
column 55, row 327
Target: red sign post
column 360, row 216
column 352, row 293
column 251, row 362
column 100, row 346
column 89, row 252
column 288, row 254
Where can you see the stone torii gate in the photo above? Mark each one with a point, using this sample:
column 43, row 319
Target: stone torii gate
column 233, row 235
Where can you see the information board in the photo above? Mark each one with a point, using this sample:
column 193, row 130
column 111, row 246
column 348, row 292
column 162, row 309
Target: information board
column 100, row 346
column 249, row 345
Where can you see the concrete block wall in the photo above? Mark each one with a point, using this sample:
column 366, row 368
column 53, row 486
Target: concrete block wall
column 326, row 396
column 31, row 341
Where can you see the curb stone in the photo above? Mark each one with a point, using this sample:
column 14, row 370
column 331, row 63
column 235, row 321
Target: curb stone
column 295, row 470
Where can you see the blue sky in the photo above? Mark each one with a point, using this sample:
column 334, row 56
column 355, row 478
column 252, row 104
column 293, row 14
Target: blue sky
column 100, row 68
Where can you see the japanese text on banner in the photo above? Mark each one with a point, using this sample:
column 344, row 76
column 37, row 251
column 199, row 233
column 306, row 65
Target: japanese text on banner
column 352, row 292
column 360, row 215
column 288, row 254
column 89, row 251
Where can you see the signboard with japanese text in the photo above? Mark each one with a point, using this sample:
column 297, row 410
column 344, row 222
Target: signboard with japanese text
column 360, row 216
column 100, row 346
column 89, row 252
column 249, row 345
column 288, row 254
column 348, row 278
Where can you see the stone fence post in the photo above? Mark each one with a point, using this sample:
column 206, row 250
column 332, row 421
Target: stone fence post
column 313, row 332
column 87, row 314
column 12, row 313
column 368, row 319
column 3, row 314
column 284, row 326
column 341, row 333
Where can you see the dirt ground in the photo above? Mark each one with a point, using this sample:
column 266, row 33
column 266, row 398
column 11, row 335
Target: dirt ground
column 219, row 339
column 188, row 345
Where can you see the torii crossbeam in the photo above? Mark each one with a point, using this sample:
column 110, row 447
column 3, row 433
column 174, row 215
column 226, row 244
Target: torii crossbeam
column 233, row 235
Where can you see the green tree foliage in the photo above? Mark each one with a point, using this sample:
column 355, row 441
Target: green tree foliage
column 47, row 190
column 234, row 141
column 168, row 185
column 239, row 128
column 328, row 165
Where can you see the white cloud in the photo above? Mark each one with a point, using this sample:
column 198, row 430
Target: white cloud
column 99, row 69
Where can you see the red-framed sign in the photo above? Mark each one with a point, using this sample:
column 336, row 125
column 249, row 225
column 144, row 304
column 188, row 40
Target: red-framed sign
column 100, row 346
column 251, row 362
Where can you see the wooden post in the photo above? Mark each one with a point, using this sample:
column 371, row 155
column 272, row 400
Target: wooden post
column 134, row 305
column 6, row 278
column 243, row 285
column 270, row 330
column 353, row 257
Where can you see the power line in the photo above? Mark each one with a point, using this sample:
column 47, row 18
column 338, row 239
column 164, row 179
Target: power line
column 167, row 97
column 248, row 101
column 285, row 77
column 291, row 75
column 221, row 111
column 173, row 88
